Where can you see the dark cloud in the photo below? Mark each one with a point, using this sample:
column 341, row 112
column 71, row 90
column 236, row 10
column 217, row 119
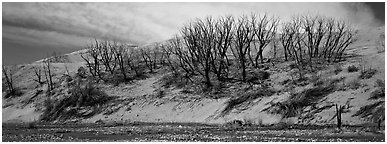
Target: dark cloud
column 67, row 25
column 378, row 9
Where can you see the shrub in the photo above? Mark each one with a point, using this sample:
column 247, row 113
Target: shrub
column 258, row 76
column 176, row 80
column 337, row 69
column 13, row 93
column 82, row 72
column 378, row 93
column 379, row 83
column 235, row 123
column 32, row 125
column 316, row 80
column 262, row 75
column 367, row 73
column 352, row 68
column 82, row 95
column 293, row 65
column 160, row 94
column 354, row 84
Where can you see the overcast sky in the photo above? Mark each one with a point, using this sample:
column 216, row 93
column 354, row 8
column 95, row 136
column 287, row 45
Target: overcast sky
column 32, row 31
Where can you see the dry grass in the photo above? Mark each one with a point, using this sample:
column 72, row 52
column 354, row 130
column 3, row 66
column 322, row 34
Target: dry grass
column 367, row 73
column 354, row 84
column 247, row 96
column 293, row 106
column 375, row 111
column 82, row 96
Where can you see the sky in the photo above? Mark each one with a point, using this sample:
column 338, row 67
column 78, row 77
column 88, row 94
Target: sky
column 32, row 31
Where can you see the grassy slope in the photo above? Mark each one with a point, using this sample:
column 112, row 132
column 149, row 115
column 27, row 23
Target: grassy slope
column 178, row 107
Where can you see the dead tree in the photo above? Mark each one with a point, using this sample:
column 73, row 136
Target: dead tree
column 38, row 73
column 8, row 75
column 120, row 56
column 339, row 109
column 224, row 32
column 107, row 55
column 92, row 59
column 287, row 39
column 244, row 34
column 48, row 74
column 199, row 38
column 314, row 28
column 133, row 60
column 167, row 50
column 339, row 37
column 148, row 59
column 265, row 30
column 296, row 42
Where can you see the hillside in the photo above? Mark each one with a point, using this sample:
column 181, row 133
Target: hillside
column 150, row 100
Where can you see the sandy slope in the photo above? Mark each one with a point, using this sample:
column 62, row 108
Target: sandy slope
column 179, row 107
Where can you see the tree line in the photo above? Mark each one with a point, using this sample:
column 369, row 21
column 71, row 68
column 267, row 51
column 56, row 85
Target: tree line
column 209, row 47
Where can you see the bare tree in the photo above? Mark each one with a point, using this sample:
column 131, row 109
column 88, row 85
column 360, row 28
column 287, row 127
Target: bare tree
column 147, row 56
column 38, row 73
column 295, row 38
column 287, row 39
column 339, row 37
column 92, row 59
column 48, row 74
column 167, row 50
column 199, row 39
column 224, row 32
column 244, row 34
column 314, row 28
column 8, row 75
column 133, row 59
column 121, row 57
column 265, row 30
column 107, row 55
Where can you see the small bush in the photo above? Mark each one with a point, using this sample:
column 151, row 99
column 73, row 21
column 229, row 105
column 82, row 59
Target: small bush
column 378, row 93
column 235, row 123
column 354, row 84
column 367, row 73
column 316, row 80
column 82, row 72
column 160, row 94
column 337, row 69
column 32, row 125
column 379, row 83
column 302, row 81
column 14, row 93
column 258, row 76
column 262, row 75
column 352, row 68
column 178, row 81
column 260, row 122
column 293, row 65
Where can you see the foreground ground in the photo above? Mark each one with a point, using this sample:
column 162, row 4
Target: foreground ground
column 183, row 132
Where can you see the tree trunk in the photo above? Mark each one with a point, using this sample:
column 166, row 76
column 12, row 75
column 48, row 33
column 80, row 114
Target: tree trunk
column 338, row 116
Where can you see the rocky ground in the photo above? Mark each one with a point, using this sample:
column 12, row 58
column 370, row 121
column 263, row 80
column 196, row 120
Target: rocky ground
column 184, row 132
